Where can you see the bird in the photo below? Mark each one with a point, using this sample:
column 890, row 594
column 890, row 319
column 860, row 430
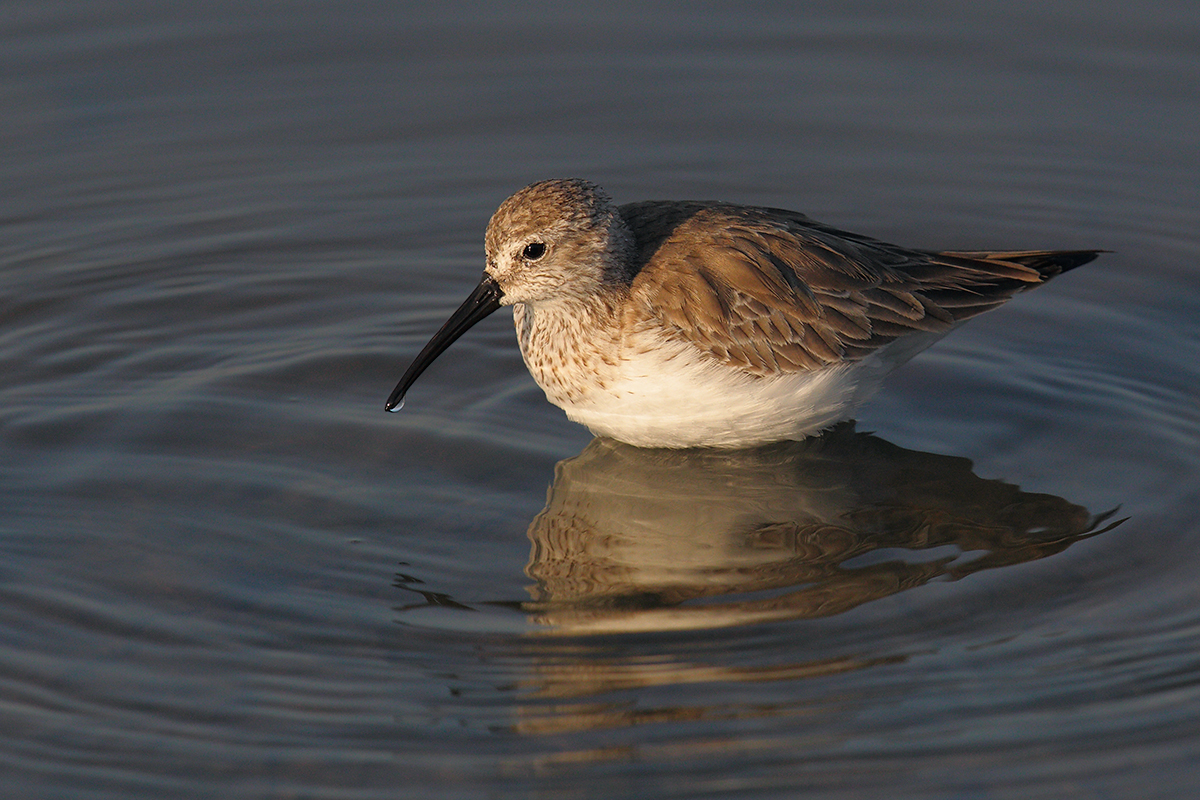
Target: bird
column 681, row 324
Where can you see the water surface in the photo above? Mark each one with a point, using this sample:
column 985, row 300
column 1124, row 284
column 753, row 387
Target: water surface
column 225, row 572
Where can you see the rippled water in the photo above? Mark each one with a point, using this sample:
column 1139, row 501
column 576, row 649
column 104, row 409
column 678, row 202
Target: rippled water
column 225, row 572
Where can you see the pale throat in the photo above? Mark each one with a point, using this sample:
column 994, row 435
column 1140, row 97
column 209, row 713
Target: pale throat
column 572, row 348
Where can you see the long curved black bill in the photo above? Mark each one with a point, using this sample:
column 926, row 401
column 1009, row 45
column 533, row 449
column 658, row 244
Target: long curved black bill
column 483, row 301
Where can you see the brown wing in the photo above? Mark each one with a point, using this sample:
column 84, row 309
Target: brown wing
column 771, row 291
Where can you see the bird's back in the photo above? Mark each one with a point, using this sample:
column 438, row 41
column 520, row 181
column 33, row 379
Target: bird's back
column 773, row 292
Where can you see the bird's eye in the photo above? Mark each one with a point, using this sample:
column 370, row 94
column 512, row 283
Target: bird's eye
column 534, row 250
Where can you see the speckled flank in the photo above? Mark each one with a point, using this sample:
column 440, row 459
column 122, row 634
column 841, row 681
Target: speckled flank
column 683, row 324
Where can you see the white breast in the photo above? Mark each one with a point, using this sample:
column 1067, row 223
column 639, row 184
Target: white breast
column 666, row 393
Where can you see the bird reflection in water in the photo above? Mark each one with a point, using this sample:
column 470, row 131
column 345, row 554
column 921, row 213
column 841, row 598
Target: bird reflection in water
column 650, row 540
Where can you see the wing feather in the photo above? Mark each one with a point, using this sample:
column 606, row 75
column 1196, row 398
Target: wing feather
column 771, row 292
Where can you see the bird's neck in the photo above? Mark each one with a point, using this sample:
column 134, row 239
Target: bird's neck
column 571, row 345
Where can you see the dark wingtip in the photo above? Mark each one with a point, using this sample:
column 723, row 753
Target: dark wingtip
column 1050, row 263
column 1070, row 259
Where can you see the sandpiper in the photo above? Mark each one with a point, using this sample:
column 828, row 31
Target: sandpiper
column 706, row 324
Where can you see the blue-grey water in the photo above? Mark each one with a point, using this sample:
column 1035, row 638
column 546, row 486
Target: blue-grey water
column 225, row 228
